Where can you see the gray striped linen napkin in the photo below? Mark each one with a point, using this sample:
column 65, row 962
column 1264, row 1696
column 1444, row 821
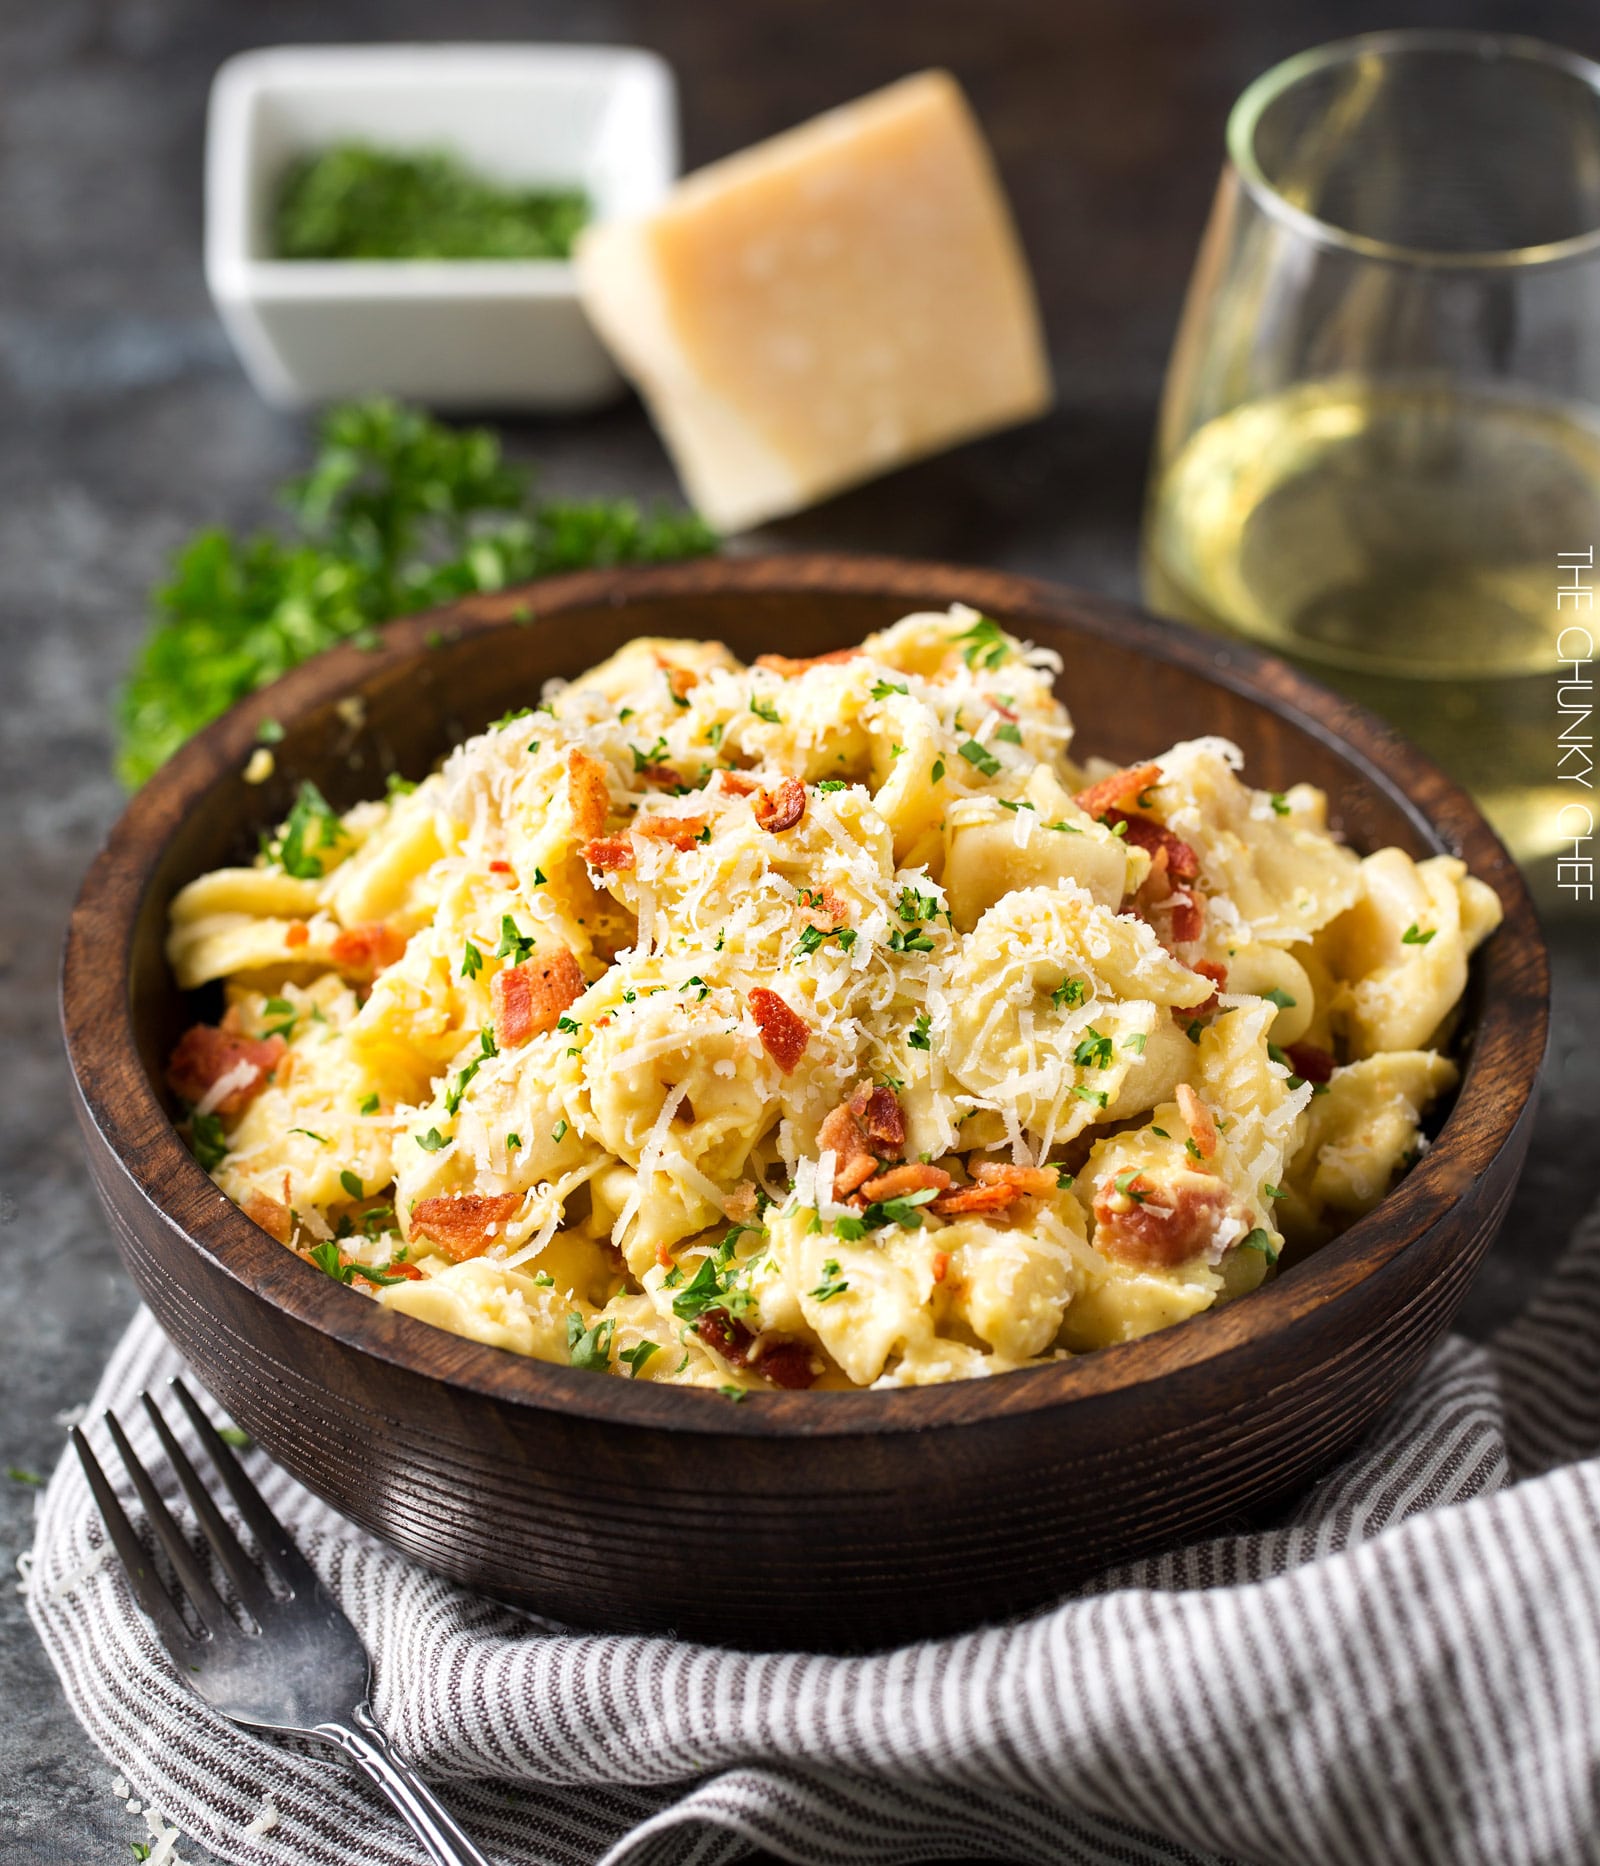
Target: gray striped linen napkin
column 1406, row 1669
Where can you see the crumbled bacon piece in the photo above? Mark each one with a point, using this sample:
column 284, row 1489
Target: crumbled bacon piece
column 588, row 794
column 366, row 950
column 296, row 934
column 531, row 997
column 1188, row 907
column 998, row 1185
column 664, row 777
column 408, row 1270
column 463, row 1224
column 821, row 907
column 731, row 1339
column 1144, row 833
column 682, row 832
column 740, row 1203
column 274, row 1218
column 852, row 1173
column 781, row 808
column 1118, row 790
column 205, row 1054
column 784, row 1361
column 900, row 1181
column 962, row 1200
column 1310, row 1063
column 610, row 853
column 499, row 868
column 784, row 1033
column 664, row 1254
column 680, row 680
column 1199, row 1119
column 941, row 1265
column 877, row 1111
column 737, row 784
column 788, row 666
column 1157, row 1225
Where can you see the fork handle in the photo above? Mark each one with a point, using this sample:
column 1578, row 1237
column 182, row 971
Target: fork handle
column 377, row 1758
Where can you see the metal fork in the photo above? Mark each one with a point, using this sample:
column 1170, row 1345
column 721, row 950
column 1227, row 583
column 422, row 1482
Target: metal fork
column 303, row 1669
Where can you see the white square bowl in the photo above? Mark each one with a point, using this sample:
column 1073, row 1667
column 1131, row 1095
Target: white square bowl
column 452, row 334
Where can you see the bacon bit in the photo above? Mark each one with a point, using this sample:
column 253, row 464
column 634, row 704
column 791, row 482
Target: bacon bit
column 740, row 1204
column 1033, row 1182
column 205, row 1054
column 680, row 680
column 737, row 784
column 1118, row 790
column 296, row 933
column 876, row 1109
column 531, row 997
column 1310, row 1063
column 462, row 1223
column 784, row 1034
column 499, row 868
column 1182, row 862
column 731, row 1339
column 610, row 853
column 1188, row 915
column 664, row 777
column 941, row 1265
column 366, row 950
column 821, row 907
column 1005, row 712
column 1199, row 1120
column 965, row 1199
column 781, row 808
column 588, row 794
column 683, row 832
column 853, row 1174
column 784, row 1361
column 788, row 667
column 1163, row 1226
column 408, row 1270
column 275, row 1219
column 901, row 1180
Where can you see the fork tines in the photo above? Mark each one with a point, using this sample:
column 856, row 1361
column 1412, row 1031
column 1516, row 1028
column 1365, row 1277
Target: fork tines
column 284, row 1561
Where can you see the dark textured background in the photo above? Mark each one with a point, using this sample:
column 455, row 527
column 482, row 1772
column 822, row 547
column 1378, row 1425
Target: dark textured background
column 124, row 424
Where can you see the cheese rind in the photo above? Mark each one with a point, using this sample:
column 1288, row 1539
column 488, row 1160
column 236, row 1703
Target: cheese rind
column 825, row 306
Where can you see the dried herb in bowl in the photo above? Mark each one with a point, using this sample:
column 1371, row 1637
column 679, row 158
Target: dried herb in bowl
column 397, row 514
column 357, row 202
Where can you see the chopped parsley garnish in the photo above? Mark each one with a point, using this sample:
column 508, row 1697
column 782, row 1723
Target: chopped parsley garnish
column 881, row 689
column 542, row 1279
column 902, row 1211
column 980, row 757
column 326, row 1256
column 642, row 761
column 311, row 1134
column 398, row 786
column 704, row 1290
column 1135, row 1043
column 513, row 1142
column 849, row 1230
column 1069, row 992
column 207, row 1141
column 986, row 643
column 917, row 1036
column 1279, row 997
column 695, row 984
column 1097, row 1098
column 826, row 785
column 433, row 1141
column 731, row 1392
column 1262, row 1241
column 635, row 1357
column 1066, row 829
column 452, row 1101
column 1274, row 1054
column 352, row 1184
column 1006, row 803
column 832, row 1283
column 310, row 831
column 1094, row 1052
column 812, row 938
column 286, row 1015
column 1274, row 1192
column 765, row 709
column 539, row 877
column 1124, row 1183
column 1414, row 936
column 713, row 734
column 471, row 961
column 1280, row 803
column 938, row 770
column 590, row 1348
column 514, row 945
column 370, row 1104
column 1009, row 733
column 1193, row 1029
column 559, row 1132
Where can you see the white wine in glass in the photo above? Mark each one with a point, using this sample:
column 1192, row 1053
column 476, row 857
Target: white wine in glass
column 1380, row 442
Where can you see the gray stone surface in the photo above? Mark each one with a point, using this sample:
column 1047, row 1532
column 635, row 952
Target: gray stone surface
column 124, row 425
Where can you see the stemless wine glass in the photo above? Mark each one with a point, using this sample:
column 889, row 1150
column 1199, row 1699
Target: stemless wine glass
column 1379, row 447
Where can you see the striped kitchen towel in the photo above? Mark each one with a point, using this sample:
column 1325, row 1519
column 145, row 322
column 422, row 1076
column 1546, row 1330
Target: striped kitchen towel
column 1405, row 1669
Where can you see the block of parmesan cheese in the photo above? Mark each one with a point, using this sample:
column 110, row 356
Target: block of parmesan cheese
column 822, row 307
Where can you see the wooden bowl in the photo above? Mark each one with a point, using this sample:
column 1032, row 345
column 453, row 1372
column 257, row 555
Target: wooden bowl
column 815, row 1519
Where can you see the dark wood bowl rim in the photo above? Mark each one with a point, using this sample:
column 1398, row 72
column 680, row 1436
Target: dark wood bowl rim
column 1498, row 1082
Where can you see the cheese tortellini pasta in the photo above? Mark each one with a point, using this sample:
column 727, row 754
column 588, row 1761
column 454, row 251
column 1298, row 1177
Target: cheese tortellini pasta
column 815, row 1023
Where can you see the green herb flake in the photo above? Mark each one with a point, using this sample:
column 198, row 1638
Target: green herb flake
column 311, row 832
column 1414, row 936
column 471, row 961
column 513, row 1143
column 987, row 646
column 515, row 945
column 731, row 1392
column 1094, row 1052
column 1280, row 803
column 1260, row 1240
column 1070, row 992
column 1279, row 997
column 433, row 1141
column 832, row 1283
column 635, row 1357
column 881, row 689
column 207, row 1141
column 1124, row 1183
column 1097, row 1098
column 918, row 1036
column 590, row 1348
column 765, row 709
column 1009, row 733
column 937, row 772
column 1135, row 1043
column 980, row 757
column 352, row 1184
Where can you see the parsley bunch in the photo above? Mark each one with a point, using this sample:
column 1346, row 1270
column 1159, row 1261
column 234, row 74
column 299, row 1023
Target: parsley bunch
column 398, row 513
